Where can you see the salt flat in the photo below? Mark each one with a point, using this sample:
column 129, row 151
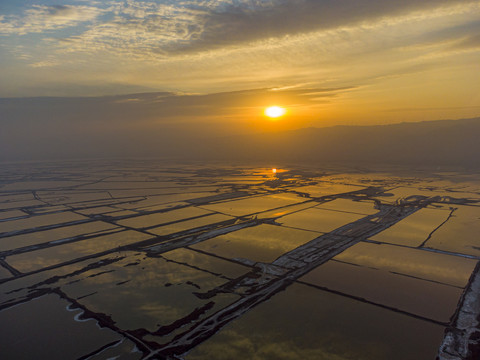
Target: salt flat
column 133, row 261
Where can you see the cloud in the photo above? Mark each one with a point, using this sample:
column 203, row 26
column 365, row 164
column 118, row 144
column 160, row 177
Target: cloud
column 152, row 108
column 468, row 42
column 41, row 18
column 212, row 46
column 284, row 33
column 136, row 124
column 182, row 27
column 250, row 21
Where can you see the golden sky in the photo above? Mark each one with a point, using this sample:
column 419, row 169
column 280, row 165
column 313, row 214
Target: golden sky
column 223, row 61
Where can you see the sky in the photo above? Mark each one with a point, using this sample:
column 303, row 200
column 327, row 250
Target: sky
column 216, row 64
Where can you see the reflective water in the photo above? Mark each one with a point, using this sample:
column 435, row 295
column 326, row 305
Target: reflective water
column 38, row 259
column 254, row 204
column 307, row 323
column 189, row 224
column 460, row 233
column 208, row 263
column 358, row 207
column 62, row 333
column 32, row 185
column 448, row 269
column 262, row 243
column 40, row 220
column 4, row 273
column 11, row 214
column 328, row 188
column 152, row 201
column 413, row 295
column 18, row 241
column 64, row 197
column 19, row 204
column 414, row 229
column 319, row 219
column 204, row 261
column 157, row 292
column 162, row 218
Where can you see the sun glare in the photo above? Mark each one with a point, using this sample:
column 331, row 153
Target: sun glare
column 275, row 111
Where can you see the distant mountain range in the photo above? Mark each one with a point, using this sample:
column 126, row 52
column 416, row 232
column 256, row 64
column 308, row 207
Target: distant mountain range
column 144, row 125
column 442, row 142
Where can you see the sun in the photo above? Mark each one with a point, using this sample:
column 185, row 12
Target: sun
column 275, row 111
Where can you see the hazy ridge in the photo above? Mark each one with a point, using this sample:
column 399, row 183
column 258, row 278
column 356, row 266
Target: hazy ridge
column 53, row 128
column 442, row 142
